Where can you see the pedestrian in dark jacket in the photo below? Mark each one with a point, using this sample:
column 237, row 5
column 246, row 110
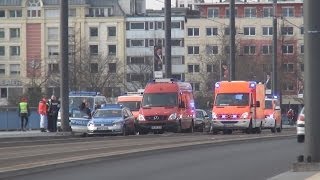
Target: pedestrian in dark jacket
column 53, row 109
column 24, row 113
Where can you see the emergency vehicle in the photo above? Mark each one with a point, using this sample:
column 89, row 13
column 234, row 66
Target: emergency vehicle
column 238, row 105
column 95, row 100
column 272, row 114
column 132, row 100
column 167, row 105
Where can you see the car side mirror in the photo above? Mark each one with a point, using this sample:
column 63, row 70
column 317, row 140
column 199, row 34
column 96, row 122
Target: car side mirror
column 277, row 108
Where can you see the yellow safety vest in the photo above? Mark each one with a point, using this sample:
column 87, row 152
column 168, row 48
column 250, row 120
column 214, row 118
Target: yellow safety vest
column 23, row 107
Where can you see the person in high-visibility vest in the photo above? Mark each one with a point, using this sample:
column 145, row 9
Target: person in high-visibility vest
column 24, row 113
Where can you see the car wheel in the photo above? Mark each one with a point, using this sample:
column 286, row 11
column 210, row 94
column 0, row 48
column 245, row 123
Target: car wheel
column 227, row 131
column 279, row 129
column 300, row 138
column 258, row 129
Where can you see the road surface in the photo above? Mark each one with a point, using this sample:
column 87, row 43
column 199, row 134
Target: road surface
column 257, row 160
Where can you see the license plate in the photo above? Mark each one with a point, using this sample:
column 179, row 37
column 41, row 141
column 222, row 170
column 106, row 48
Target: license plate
column 102, row 128
column 228, row 125
column 156, row 127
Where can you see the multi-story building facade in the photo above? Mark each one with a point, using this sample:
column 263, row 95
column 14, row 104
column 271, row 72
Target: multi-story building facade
column 207, row 43
column 188, row 3
column 29, row 41
column 144, row 36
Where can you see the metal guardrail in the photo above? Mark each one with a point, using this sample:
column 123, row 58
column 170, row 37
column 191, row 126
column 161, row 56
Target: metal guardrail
column 9, row 119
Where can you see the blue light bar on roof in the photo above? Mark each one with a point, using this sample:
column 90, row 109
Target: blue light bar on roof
column 83, row 93
column 253, row 84
column 106, row 106
column 217, row 85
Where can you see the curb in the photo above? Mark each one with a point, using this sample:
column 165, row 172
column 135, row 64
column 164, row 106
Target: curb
column 88, row 159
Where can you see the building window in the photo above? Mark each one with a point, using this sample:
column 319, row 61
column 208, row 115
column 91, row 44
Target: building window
column 34, row 8
column 2, row 51
column 288, row 86
column 228, row 13
column 301, row 30
column 227, row 31
column 72, row 12
column 210, row 68
column 14, row 32
column 96, row 12
column 302, row 67
column 112, row 50
column 195, row 86
column 193, row 49
column 137, row 25
column 135, row 60
column 2, row 13
column 287, row 49
column 2, row 33
column 94, row 68
column 267, row 12
column 267, row 49
column 212, row 49
column 53, row 68
column 14, row 69
column 249, row 31
column 53, row 34
column 15, row 13
column 287, row 30
column 193, row 68
column 213, row 12
column 302, row 49
column 212, row 31
column 2, row 69
column 52, row 13
column 112, row 31
column 178, row 76
column 249, row 50
column 175, row 25
column 135, row 77
column 287, row 11
column 53, row 50
column 14, row 50
column 177, row 60
column 137, row 43
column 94, row 50
column 250, row 12
column 288, row 68
column 112, row 67
column 93, row 32
column 3, row 92
column 176, row 42
column 267, row 31
column 193, row 31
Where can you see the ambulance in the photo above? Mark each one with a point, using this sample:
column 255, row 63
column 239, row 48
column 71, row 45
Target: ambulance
column 167, row 105
column 238, row 105
column 272, row 113
column 132, row 100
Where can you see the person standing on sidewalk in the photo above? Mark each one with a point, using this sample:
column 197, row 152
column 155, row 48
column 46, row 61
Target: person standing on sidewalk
column 24, row 113
column 53, row 109
column 42, row 110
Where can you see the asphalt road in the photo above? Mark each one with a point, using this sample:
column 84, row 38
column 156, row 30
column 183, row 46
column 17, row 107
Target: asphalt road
column 242, row 161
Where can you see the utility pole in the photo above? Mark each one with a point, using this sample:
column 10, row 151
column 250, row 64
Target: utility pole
column 64, row 75
column 232, row 71
column 167, row 9
column 312, row 84
column 274, row 77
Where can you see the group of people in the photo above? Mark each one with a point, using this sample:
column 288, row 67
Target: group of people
column 48, row 111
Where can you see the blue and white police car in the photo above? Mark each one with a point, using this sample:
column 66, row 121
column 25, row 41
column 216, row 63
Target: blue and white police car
column 112, row 119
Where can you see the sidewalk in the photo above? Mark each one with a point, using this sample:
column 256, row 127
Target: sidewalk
column 290, row 175
column 6, row 135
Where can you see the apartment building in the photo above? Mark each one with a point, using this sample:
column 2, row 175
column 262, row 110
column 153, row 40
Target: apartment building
column 207, row 44
column 29, row 40
column 145, row 36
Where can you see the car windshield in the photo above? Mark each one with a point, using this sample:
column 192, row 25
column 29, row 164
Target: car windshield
column 232, row 99
column 132, row 105
column 199, row 114
column 78, row 114
column 75, row 102
column 160, row 100
column 107, row 113
column 268, row 104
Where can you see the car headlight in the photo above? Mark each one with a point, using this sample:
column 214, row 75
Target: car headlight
column 245, row 115
column 141, row 118
column 214, row 115
column 90, row 124
column 118, row 123
column 173, row 116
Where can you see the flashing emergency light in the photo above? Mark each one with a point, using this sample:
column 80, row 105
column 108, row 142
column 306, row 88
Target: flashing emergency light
column 83, row 93
column 275, row 97
column 252, row 84
column 217, row 85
